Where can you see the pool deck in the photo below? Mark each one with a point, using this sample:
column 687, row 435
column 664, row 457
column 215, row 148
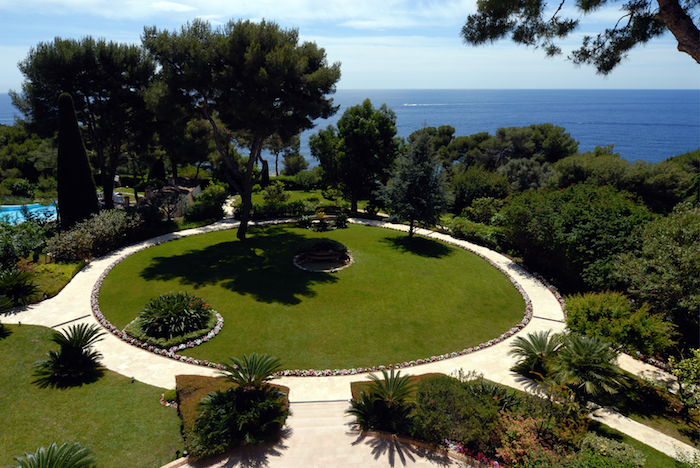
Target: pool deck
column 319, row 433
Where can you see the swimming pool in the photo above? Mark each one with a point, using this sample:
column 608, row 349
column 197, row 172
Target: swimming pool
column 13, row 213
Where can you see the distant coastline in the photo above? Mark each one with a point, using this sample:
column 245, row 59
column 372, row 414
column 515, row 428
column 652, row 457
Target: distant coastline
column 648, row 125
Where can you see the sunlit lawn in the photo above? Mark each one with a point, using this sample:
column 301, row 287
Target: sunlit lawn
column 122, row 422
column 399, row 301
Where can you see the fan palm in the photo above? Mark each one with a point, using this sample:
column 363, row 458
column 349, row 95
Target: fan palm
column 251, row 371
column 587, row 366
column 393, row 389
column 66, row 456
column 75, row 362
column 384, row 406
column 536, row 353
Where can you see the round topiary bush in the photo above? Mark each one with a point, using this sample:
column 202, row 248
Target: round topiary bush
column 174, row 314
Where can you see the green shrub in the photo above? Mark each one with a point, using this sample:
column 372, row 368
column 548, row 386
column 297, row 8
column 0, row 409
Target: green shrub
column 174, row 314
column 613, row 317
column 274, row 193
column 94, row 237
column 307, row 180
column 17, row 242
column 209, row 204
column 340, row 221
column 621, row 453
column 170, row 395
column 482, row 210
column 489, row 236
column 236, row 416
column 445, row 409
column 134, row 329
column 18, row 286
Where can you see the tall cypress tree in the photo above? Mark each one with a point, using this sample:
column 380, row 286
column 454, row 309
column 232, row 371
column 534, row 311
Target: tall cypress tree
column 77, row 196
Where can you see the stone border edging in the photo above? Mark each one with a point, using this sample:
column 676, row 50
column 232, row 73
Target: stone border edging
column 94, row 302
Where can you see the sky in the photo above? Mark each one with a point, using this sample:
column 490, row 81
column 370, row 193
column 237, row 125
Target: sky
column 381, row 44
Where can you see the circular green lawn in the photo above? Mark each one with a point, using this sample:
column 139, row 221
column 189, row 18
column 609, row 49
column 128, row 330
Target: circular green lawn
column 400, row 300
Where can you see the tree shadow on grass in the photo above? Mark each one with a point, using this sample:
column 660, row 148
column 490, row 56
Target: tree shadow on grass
column 4, row 332
column 261, row 266
column 421, row 246
column 62, row 382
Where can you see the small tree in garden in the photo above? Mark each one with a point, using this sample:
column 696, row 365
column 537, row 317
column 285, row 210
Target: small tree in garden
column 384, row 406
column 251, row 412
column 417, row 191
column 251, row 370
column 66, row 455
column 535, row 353
column 75, row 363
column 77, row 196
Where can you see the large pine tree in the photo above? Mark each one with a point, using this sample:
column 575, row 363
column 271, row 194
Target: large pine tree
column 77, row 196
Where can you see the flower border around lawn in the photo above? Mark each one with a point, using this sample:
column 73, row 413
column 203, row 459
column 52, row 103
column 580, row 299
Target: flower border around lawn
column 172, row 352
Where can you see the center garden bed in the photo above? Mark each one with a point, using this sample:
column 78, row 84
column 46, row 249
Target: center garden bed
column 402, row 300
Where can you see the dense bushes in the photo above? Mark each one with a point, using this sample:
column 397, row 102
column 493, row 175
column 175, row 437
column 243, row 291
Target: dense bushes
column 611, row 316
column 481, row 234
column 18, row 286
column 572, row 234
column 17, row 242
column 102, row 233
column 208, row 205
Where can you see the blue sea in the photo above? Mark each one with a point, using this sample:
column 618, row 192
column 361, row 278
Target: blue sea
column 648, row 125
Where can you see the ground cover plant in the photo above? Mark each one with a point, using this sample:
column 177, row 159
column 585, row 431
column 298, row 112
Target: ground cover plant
column 123, row 423
column 410, row 300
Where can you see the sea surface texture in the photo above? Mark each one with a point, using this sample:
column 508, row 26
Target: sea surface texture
column 648, row 125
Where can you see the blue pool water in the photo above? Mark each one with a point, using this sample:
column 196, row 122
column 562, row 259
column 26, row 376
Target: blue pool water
column 13, row 213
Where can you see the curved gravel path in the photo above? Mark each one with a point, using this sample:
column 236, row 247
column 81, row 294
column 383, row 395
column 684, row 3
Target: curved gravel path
column 318, row 431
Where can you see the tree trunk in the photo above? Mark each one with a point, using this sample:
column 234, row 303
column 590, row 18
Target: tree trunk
column 410, row 229
column 353, row 203
column 247, row 188
column 681, row 26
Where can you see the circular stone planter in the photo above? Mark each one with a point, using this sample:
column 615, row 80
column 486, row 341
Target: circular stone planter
column 322, row 255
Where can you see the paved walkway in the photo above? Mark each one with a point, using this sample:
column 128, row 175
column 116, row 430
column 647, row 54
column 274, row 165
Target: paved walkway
column 328, row 440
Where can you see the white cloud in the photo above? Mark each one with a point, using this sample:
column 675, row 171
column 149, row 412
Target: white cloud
column 171, row 6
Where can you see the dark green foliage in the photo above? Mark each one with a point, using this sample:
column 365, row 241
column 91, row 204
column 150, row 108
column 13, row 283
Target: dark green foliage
column 476, row 182
column 251, row 78
column 359, row 152
column 77, row 196
column 18, row 286
column 524, row 173
column 106, row 81
column 157, row 171
column 235, row 416
column 340, row 221
column 17, row 242
column 274, row 193
column 174, row 314
column 572, row 234
column 536, row 354
column 586, row 365
column 75, row 363
column 481, row 234
column 134, row 329
column 279, row 210
column 307, row 180
column 417, row 190
column 384, row 406
column 66, row 455
column 532, row 23
column 102, row 233
column 294, row 163
column 445, row 409
column 209, row 203
column 251, row 370
column 24, row 155
column 612, row 317
column 661, row 185
column 664, row 268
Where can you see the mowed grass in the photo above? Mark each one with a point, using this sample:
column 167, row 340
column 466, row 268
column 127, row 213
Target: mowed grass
column 401, row 300
column 123, row 423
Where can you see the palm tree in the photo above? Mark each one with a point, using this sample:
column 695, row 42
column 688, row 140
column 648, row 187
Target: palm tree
column 587, row 366
column 536, row 353
column 75, row 362
column 251, row 371
column 66, row 456
column 384, row 406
